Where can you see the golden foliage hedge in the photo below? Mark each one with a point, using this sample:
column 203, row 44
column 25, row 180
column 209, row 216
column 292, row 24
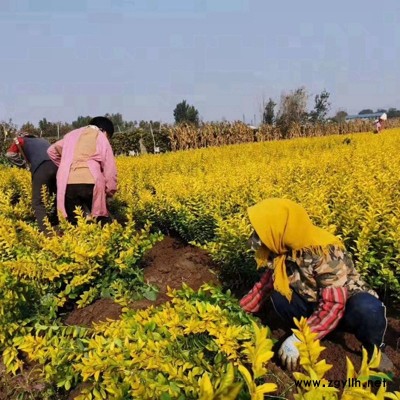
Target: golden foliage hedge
column 201, row 345
column 349, row 185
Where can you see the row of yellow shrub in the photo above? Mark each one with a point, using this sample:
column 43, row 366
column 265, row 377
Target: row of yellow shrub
column 349, row 185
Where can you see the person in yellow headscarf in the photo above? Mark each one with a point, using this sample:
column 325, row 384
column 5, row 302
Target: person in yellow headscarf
column 310, row 274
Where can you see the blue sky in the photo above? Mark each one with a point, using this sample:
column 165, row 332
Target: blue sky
column 63, row 58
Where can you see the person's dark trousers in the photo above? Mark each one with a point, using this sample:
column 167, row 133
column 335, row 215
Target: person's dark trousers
column 44, row 175
column 80, row 195
column 364, row 316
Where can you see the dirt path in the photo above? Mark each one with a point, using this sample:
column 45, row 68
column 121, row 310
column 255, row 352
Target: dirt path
column 170, row 263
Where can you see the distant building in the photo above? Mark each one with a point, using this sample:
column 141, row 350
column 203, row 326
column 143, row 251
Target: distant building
column 363, row 116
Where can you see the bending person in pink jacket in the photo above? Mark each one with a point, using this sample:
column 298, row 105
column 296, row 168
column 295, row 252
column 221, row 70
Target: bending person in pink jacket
column 87, row 173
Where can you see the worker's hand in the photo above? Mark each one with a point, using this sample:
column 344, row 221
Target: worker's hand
column 289, row 353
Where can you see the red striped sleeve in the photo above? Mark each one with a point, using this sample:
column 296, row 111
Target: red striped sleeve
column 330, row 310
column 253, row 301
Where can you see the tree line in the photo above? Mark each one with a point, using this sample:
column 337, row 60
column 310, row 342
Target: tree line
column 154, row 135
column 292, row 111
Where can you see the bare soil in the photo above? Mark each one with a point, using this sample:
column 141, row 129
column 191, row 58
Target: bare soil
column 168, row 263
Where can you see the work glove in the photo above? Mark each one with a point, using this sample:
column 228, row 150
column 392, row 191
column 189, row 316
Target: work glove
column 289, row 353
column 386, row 364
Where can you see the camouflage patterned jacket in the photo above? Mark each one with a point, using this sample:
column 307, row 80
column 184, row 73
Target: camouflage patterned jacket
column 327, row 280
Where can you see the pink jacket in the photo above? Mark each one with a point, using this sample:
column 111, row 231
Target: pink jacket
column 101, row 165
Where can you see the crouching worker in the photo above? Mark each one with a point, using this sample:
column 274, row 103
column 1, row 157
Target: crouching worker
column 87, row 173
column 310, row 275
column 29, row 151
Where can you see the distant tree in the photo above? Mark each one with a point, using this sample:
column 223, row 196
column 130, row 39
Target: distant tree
column 63, row 128
column 268, row 116
column 321, row 107
column 293, row 109
column 118, row 121
column 185, row 113
column 366, row 111
column 393, row 113
column 54, row 129
column 47, row 128
column 381, row 110
column 81, row 121
column 340, row 116
column 30, row 128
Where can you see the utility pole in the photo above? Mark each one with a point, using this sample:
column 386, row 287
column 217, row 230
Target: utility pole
column 5, row 133
column 152, row 135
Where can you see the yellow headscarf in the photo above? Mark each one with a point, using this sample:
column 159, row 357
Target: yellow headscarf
column 284, row 226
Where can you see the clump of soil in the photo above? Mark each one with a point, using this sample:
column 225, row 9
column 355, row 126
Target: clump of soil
column 101, row 310
column 169, row 263
column 172, row 263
